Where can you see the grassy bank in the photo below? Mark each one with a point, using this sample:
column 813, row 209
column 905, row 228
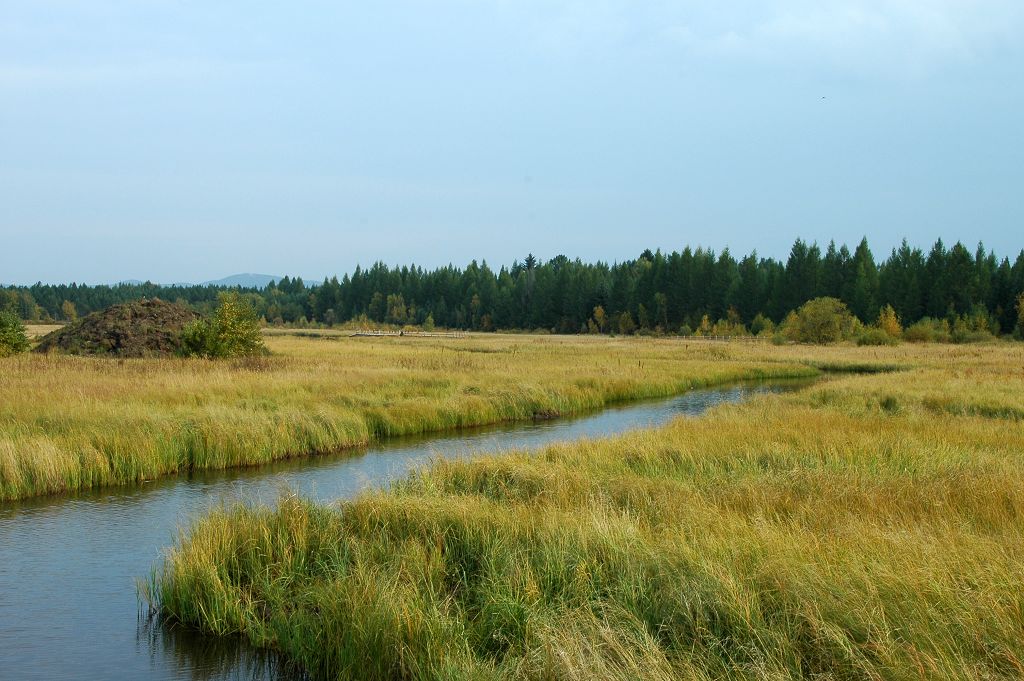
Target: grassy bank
column 69, row 423
column 867, row 528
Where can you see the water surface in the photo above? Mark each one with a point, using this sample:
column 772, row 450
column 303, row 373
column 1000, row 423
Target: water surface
column 68, row 565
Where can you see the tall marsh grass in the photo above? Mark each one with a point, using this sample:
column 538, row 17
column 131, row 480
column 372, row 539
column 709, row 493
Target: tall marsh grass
column 869, row 527
column 71, row 423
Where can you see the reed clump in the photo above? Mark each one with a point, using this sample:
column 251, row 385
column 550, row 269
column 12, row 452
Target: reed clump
column 70, row 423
column 856, row 530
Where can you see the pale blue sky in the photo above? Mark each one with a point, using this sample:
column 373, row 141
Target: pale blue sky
column 189, row 140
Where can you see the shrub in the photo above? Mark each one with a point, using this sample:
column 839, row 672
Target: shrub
column 876, row 337
column 761, row 324
column 728, row 327
column 234, row 331
column 919, row 333
column 12, row 334
column 789, row 329
column 974, row 328
column 822, row 320
column 197, row 339
column 928, row 330
column 969, row 336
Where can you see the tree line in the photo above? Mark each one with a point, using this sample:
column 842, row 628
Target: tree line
column 677, row 292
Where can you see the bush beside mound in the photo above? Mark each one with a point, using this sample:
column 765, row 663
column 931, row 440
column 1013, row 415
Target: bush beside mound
column 234, row 331
column 12, row 334
column 142, row 328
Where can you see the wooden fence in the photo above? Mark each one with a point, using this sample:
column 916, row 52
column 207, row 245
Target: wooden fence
column 380, row 333
column 727, row 339
column 413, row 334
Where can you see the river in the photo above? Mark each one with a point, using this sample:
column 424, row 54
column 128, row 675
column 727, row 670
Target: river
column 69, row 565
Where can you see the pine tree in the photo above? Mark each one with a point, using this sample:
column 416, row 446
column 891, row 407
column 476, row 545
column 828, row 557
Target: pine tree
column 865, row 283
column 833, row 270
column 961, row 280
column 937, row 300
column 802, row 274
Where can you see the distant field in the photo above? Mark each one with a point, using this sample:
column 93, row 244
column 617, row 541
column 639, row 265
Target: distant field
column 869, row 527
column 35, row 331
column 69, row 423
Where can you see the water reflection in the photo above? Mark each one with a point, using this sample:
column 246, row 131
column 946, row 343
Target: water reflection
column 208, row 658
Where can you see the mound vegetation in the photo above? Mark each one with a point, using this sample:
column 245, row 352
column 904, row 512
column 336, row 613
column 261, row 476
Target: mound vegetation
column 867, row 528
column 143, row 328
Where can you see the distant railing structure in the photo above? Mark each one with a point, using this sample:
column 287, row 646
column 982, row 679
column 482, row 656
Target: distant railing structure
column 727, row 339
column 414, row 334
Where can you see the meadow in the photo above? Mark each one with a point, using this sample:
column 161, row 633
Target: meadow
column 868, row 527
column 71, row 423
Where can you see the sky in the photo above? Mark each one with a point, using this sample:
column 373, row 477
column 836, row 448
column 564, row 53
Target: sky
column 188, row 140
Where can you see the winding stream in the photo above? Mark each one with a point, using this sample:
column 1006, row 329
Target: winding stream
column 68, row 565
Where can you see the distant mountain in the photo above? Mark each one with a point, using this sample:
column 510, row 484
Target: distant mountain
column 246, row 280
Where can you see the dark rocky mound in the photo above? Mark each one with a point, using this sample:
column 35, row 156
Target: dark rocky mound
column 143, row 328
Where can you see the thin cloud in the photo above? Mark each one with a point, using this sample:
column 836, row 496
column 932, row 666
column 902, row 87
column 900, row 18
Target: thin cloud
column 865, row 35
column 121, row 73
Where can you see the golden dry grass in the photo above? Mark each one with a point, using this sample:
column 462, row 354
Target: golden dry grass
column 869, row 527
column 70, row 423
column 36, row 331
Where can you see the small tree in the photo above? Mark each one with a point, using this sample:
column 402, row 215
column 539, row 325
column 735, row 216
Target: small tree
column 69, row 310
column 626, row 324
column 428, row 323
column 234, row 331
column 377, row 308
column 661, row 310
column 397, row 312
column 601, row 319
column 13, row 338
column 643, row 319
column 789, row 330
column 238, row 327
column 10, row 301
column 889, row 322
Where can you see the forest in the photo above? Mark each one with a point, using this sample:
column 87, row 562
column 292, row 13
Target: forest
column 675, row 292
